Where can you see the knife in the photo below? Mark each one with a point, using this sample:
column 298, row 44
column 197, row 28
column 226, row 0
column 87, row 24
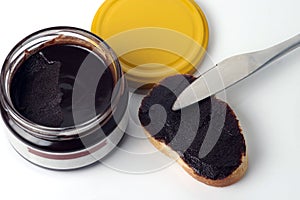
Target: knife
column 231, row 71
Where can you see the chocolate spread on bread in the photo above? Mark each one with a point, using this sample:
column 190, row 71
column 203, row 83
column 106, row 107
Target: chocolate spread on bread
column 206, row 135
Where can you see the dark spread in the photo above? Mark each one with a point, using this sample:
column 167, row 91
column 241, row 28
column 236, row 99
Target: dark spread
column 206, row 135
column 42, row 88
column 35, row 91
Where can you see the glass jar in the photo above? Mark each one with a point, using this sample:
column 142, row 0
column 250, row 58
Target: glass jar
column 64, row 148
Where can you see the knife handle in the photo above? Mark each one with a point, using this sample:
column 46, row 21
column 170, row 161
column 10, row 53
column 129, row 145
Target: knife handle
column 264, row 57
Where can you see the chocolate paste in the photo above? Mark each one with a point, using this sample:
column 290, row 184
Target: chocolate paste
column 42, row 87
column 36, row 93
column 210, row 120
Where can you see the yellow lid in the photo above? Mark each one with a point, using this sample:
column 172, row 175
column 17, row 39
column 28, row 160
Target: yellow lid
column 153, row 38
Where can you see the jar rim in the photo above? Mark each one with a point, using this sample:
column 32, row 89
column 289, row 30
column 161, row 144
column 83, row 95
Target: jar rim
column 59, row 132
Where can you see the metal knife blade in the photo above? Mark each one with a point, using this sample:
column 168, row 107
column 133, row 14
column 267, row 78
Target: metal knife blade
column 231, row 71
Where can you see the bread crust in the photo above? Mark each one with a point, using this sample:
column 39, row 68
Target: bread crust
column 231, row 179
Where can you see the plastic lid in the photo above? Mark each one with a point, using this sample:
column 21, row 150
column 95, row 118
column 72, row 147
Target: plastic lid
column 153, row 38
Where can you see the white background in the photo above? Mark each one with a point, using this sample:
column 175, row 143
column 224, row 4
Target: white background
column 267, row 105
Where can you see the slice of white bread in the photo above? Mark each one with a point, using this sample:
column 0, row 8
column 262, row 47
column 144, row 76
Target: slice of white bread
column 231, row 139
column 233, row 178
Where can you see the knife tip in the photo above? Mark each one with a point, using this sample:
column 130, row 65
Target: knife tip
column 176, row 105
